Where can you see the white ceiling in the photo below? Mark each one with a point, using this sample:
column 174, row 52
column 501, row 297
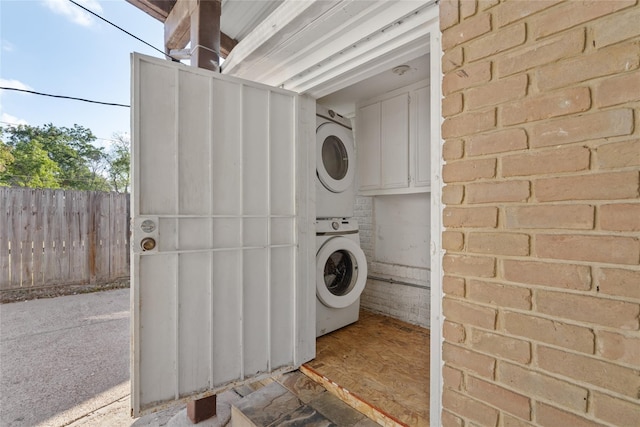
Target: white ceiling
column 239, row 18
column 319, row 48
column 322, row 47
column 344, row 100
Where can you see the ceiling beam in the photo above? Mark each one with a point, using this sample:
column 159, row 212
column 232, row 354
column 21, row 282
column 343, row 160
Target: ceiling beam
column 226, row 44
column 321, row 51
column 157, row 9
column 176, row 17
column 177, row 25
column 287, row 21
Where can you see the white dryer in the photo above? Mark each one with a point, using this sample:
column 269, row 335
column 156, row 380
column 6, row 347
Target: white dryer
column 341, row 274
column 335, row 165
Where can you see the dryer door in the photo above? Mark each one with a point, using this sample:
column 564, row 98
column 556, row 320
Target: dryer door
column 341, row 272
column 335, row 157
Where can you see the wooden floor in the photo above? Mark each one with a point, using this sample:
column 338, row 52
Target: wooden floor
column 383, row 362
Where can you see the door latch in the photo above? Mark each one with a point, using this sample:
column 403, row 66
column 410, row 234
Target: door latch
column 148, row 244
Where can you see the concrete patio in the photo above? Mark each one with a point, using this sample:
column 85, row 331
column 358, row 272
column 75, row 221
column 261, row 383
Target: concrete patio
column 65, row 362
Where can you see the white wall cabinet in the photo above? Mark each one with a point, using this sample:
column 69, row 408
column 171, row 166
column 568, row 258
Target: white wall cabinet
column 368, row 146
column 421, row 133
column 392, row 139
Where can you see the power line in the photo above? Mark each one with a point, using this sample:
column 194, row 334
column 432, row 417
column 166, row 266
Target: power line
column 65, row 97
column 90, row 100
column 123, row 30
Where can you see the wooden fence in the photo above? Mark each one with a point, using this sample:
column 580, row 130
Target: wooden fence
column 57, row 237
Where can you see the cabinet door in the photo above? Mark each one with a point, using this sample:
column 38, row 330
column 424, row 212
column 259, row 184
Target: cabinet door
column 368, row 146
column 422, row 126
column 395, row 142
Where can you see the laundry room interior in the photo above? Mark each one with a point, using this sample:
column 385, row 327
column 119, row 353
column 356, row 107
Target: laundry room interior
column 345, row 194
column 383, row 358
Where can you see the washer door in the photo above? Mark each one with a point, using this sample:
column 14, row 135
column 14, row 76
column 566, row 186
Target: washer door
column 341, row 272
column 335, row 160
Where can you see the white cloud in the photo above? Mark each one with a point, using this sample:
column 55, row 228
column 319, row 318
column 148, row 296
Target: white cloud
column 8, row 118
column 15, row 84
column 11, row 120
column 73, row 12
column 7, row 46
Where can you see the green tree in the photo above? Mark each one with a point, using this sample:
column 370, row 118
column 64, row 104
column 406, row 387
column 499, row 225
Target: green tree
column 119, row 157
column 80, row 164
column 6, row 158
column 31, row 167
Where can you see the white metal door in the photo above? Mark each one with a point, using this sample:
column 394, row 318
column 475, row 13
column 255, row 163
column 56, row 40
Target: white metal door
column 223, row 286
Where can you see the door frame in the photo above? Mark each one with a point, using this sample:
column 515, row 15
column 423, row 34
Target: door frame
column 436, row 279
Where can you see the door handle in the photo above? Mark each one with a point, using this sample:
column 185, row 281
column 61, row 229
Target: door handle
column 148, row 244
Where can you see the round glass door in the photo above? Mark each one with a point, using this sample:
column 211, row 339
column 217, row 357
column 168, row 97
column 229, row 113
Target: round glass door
column 335, row 157
column 341, row 272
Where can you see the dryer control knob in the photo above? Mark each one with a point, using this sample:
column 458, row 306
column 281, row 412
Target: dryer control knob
column 335, row 225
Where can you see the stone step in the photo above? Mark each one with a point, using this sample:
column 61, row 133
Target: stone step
column 294, row 400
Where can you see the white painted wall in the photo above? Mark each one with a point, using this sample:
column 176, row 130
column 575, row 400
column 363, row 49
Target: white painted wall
column 402, row 302
column 402, row 233
column 408, row 298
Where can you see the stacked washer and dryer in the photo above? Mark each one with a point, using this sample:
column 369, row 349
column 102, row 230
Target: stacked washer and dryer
column 341, row 266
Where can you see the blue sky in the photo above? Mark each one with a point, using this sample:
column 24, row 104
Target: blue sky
column 52, row 46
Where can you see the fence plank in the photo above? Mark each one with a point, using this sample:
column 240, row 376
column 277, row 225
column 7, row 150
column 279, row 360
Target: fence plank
column 55, row 237
column 49, row 238
column 14, row 239
column 26, row 237
column 119, row 230
column 83, row 224
column 5, row 259
column 104, row 258
column 76, row 256
column 38, row 218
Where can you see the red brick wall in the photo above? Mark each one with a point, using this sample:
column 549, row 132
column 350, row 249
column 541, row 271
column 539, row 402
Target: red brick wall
column 542, row 212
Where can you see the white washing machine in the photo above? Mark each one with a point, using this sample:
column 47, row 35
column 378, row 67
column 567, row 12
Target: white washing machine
column 341, row 274
column 335, row 165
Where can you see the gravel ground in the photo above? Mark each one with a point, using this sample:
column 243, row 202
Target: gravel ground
column 26, row 294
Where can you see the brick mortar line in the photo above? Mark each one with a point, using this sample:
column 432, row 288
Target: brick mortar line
column 535, row 368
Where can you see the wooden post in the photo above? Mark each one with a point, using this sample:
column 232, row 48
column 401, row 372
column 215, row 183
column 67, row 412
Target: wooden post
column 205, row 35
column 205, row 53
column 177, row 27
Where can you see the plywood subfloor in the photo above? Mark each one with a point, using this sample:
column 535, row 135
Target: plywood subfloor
column 382, row 361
